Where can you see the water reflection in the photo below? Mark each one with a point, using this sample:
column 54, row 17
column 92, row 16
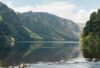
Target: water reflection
column 33, row 52
column 49, row 51
column 48, row 55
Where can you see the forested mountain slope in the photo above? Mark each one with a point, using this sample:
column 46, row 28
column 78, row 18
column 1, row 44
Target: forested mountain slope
column 32, row 26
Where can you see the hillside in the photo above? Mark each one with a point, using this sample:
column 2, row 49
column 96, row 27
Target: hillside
column 30, row 26
column 50, row 27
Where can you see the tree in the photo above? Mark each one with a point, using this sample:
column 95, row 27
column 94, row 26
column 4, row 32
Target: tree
column 91, row 37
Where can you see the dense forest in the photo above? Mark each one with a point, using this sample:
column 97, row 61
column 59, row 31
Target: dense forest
column 18, row 27
column 90, row 37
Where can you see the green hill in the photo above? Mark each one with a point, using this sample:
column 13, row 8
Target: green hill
column 50, row 27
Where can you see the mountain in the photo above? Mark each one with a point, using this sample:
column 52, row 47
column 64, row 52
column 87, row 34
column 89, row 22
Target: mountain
column 50, row 27
column 16, row 28
column 91, row 37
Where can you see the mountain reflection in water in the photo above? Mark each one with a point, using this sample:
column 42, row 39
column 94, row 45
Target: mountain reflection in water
column 32, row 52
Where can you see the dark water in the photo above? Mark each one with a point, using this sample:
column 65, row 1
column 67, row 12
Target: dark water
column 55, row 55
column 47, row 52
column 56, row 51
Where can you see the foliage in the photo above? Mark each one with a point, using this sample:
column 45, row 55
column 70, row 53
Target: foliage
column 91, row 37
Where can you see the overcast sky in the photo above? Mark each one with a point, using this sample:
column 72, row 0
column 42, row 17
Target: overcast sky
column 76, row 10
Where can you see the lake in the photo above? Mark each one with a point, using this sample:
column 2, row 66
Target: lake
column 80, row 63
column 50, row 54
column 56, row 54
column 73, row 65
column 48, row 51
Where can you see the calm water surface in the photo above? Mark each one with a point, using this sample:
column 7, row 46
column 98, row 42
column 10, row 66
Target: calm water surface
column 68, row 49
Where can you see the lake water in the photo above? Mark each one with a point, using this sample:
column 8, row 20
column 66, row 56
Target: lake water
column 75, row 65
column 69, row 64
column 73, row 47
column 55, row 55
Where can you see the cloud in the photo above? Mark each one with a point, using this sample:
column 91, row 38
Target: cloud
column 82, row 15
column 59, row 8
column 4, row 1
column 51, row 7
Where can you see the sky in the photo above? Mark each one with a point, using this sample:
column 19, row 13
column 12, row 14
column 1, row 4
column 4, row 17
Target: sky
column 75, row 10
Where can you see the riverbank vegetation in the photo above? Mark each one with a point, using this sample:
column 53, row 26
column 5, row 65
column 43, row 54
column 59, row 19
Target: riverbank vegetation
column 90, row 37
